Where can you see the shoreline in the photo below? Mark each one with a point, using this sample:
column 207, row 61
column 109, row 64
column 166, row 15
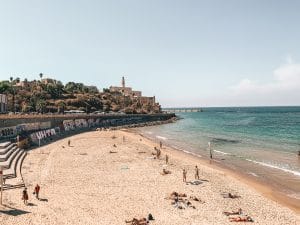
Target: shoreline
column 265, row 188
column 102, row 179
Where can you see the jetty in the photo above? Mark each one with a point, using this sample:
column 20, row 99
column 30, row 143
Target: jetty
column 182, row 110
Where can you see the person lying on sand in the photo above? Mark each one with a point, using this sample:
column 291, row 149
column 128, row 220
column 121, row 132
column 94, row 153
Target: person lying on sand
column 175, row 194
column 112, row 152
column 176, row 197
column 194, row 198
column 196, row 182
column 229, row 195
column 239, row 212
column 241, row 219
column 135, row 221
column 165, row 172
column 189, row 204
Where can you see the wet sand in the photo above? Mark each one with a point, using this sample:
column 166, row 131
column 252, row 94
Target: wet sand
column 94, row 182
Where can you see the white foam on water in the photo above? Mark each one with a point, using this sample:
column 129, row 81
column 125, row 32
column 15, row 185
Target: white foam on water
column 224, row 153
column 253, row 174
column 149, row 132
column 161, row 137
column 297, row 173
column 191, row 153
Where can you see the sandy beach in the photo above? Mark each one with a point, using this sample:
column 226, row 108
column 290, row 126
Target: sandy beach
column 103, row 178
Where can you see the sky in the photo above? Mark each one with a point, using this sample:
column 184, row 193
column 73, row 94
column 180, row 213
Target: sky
column 186, row 53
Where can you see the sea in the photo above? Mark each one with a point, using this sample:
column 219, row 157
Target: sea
column 261, row 142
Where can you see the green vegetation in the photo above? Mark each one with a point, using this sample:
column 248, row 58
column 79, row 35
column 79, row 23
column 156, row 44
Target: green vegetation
column 51, row 96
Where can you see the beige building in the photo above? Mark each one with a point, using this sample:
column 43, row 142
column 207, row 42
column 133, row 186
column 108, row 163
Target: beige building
column 3, row 103
column 127, row 91
column 48, row 81
column 147, row 100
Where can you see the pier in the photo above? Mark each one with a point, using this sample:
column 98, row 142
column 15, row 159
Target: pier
column 182, row 110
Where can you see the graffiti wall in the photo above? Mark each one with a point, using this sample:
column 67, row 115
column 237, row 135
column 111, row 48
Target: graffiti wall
column 33, row 126
column 43, row 134
column 8, row 132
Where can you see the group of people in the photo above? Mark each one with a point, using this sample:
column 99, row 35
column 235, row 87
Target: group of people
column 36, row 193
column 184, row 173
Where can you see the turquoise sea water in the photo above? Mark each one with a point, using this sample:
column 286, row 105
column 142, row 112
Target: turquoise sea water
column 246, row 138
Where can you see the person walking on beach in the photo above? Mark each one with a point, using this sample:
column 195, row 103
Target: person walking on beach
column 69, row 142
column 210, row 151
column 196, row 173
column 25, row 196
column 167, row 159
column 37, row 191
column 184, row 172
column 158, row 153
column 123, row 139
column 160, row 144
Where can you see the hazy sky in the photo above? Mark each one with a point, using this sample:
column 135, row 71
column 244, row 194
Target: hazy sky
column 187, row 53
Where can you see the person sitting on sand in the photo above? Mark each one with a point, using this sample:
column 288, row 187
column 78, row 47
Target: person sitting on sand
column 239, row 212
column 135, row 221
column 229, row 195
column 241, row 219
column 115, row 145
column 165, row 172
column 184, row 172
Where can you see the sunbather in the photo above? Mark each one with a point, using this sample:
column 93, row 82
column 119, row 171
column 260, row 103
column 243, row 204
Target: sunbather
column 239, row 212
column 165, row 172
column 194, row 198
column 241, row 219
column 229, row 195
column 135, row 221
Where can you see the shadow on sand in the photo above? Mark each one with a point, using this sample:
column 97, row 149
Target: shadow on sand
column 13, row 211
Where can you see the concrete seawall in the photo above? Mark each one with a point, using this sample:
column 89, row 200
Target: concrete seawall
column 39, row 128
column 56, row 120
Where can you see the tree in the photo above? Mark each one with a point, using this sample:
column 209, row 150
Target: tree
column 40, row 105
column 5, row 87
column 54, row 90
column 41, row 75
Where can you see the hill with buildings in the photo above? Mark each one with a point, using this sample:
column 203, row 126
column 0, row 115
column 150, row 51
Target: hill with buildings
column 52, row 96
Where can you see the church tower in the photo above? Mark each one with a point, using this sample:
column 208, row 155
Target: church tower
column 123, row 82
